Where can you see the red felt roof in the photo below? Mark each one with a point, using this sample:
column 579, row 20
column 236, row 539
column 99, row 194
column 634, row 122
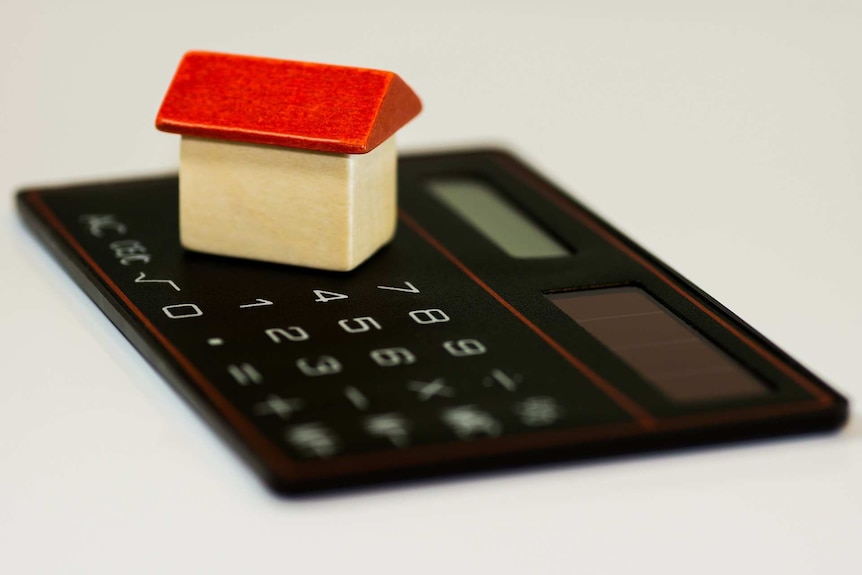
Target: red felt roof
column 284, row 103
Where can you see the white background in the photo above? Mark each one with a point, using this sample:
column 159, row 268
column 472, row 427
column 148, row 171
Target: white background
column 726, row 137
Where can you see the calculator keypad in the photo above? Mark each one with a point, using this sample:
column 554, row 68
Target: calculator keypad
column 341, row 364
column 400, row 371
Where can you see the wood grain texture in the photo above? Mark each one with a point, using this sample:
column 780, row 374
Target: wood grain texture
column 314, row 209
column 304, row 105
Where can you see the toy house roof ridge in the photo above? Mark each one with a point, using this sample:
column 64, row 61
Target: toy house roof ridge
column 302, row 105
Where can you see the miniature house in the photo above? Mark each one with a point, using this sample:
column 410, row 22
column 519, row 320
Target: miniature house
column 287, row 162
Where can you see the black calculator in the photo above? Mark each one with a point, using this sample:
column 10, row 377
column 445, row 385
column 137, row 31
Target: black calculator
column 505, row 325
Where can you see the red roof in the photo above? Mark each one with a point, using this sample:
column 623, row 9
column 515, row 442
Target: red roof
column 284, row 103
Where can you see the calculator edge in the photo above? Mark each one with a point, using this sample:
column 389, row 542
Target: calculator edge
column 140, row 338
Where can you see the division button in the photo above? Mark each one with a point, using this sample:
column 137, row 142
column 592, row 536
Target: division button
column 276, row 405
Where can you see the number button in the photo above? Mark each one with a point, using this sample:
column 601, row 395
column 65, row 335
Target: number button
column 324, row 296
column 392, row 356
column 359, row 324
column 292, row 333
column 427, row 316
column 324, row 365
column 464, row 347
column 182, row 310
column 256, row 303
column 409, row 289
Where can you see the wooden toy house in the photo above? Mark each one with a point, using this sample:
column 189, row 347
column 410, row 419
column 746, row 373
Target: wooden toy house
column 288, row 162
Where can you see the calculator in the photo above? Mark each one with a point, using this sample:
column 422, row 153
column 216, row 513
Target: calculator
column 504, row 325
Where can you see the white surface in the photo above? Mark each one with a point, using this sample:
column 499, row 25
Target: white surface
column 727, row 140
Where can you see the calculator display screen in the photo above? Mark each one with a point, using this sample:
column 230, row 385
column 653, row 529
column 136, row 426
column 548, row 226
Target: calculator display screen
column 501, row 222
column 649, row 338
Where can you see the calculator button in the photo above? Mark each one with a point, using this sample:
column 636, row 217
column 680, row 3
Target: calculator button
column 392, row 356
column 408, row 288
column 430, row 389
column 215, row 341
column 323, row 296
column 142, row 279
column 464, row 347
column 468, row 421
column 356, row 397
column 539, row 411
column 428, row 316
column 182, row 311
column 359, row 324
column 291, row 333
column 391, row 426
column 312, row 439
column 244, row 373
column 323, row 365
column 499, row 378
column 256, row 303
column 277, row 405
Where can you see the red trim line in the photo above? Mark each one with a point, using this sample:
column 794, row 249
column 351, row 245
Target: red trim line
column 262, row 445
column 639, row 413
